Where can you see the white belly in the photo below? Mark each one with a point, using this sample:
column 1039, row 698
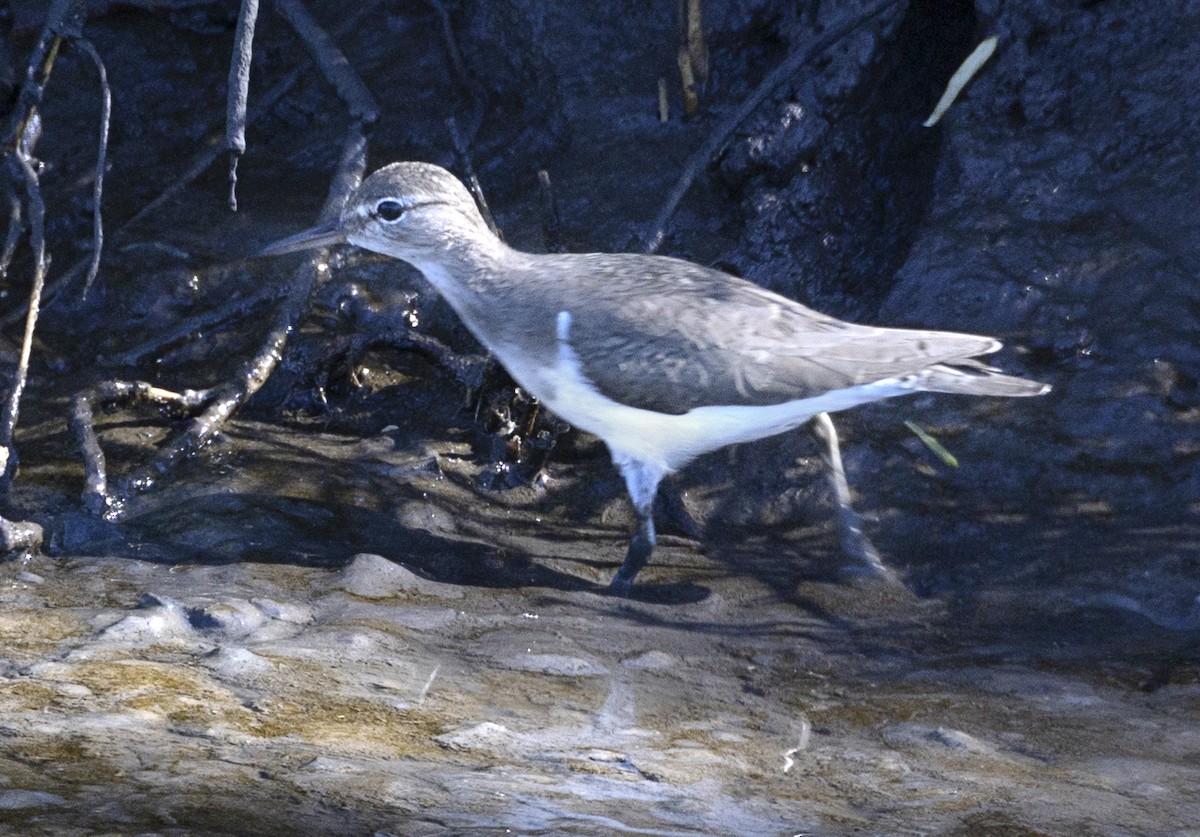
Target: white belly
column 671, row 441
column 660, row 439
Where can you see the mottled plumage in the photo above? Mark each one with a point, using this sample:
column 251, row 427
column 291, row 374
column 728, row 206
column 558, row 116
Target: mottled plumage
column 662, row 358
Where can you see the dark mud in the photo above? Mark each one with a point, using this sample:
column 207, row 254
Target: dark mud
column 246, row 652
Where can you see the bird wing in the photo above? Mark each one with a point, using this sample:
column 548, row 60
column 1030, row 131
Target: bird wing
column 668, row 335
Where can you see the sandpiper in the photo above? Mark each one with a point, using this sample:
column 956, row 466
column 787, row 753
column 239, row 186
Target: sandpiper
column 661, row 358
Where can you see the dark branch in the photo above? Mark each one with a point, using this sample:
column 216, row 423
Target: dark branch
column 239, row 91
column 101, row 162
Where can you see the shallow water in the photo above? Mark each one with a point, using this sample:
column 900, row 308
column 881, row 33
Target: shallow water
column 232, row 694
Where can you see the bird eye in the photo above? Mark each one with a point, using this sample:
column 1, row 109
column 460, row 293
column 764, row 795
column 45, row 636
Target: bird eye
column 389, row 210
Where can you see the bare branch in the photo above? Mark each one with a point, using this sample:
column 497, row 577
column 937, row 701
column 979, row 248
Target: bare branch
column 96, row 498
column 239, row 92
column 101, row 162
column 37, row 242
column 332, row 63
column 223, row 401
column 199, row 164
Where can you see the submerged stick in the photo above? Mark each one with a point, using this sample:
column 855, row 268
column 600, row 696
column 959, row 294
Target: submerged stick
column 202, row 321
column 96, row 498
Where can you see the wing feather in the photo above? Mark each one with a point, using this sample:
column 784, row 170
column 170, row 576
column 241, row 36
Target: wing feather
column 669, row 335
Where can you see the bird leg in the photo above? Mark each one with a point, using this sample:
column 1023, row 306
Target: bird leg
column 642, row 480
column 855, row 543
column 640, row 548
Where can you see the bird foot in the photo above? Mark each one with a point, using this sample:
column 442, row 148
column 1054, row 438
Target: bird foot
column 863, row 559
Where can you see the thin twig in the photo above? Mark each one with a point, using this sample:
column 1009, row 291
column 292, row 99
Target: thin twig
column 37, row 242
column 720, row 136
column 551, row 224
column 101, row 162
column 239, row 91
column 464, row 158
column 16, row 224
column 468, row 82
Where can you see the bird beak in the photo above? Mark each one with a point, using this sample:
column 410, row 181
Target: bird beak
column 326, row 235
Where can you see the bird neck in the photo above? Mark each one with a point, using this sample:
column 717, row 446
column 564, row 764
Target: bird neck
column 468, row 269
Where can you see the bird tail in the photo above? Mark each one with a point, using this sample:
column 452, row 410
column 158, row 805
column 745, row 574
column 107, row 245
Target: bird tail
column 968, row 377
